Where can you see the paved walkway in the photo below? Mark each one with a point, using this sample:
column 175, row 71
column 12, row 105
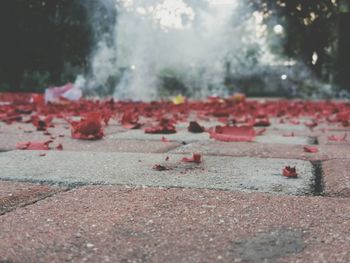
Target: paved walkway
column 103, row 201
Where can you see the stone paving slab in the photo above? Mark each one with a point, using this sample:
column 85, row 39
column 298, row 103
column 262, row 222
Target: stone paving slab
column 8, row 142
column 225, row 173
column 118, row 224
column 337, row 177
column 187, row 137
column 14, row 194
column 324, row 138
column 239, row 149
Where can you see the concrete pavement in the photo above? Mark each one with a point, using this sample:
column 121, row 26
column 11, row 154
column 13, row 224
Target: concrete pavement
column 102, row 201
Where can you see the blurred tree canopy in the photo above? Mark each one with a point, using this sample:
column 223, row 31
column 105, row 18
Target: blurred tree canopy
column 41, row 42
column 46, row 42
column 316, row 32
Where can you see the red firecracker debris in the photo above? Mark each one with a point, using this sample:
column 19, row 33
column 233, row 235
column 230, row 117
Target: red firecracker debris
column 39, row 146
column 165, row 126
column 290, row 172
column 262, row 122
column 89, row 128
column 130, row 120
column 159, row 167
column 59, row 147
column 335, row 138
column 233, row 134
column 42, row 124
column 310, row 149
column 196, row 158
column 194, row 127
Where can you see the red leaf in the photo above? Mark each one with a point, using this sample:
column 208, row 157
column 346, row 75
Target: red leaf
column 290, row 172
column 233, row 134
column 310, row 149
column 196, row 158
column 195, row 127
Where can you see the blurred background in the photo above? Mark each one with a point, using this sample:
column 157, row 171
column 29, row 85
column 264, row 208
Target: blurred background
column 50, row 43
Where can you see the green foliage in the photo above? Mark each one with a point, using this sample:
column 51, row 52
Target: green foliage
column 35, row 81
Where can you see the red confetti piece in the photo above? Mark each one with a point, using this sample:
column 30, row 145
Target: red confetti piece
column 290, row 172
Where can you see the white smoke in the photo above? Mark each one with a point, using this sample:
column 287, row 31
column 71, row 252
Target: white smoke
column 146, row 41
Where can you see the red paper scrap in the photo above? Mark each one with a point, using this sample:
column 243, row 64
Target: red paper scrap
column 233, row 134
column 290, row 172
column 39, row 146
column 310, row 149
column 335, row 138
column 89, row 128
column 196, row 158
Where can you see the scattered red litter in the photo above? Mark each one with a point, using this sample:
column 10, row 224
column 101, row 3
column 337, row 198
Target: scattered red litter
column 42, row 124
column 130, row 120
column 42, row 154
column 159, row 167
column 262, row 122
column 167, row 158
column 39, row 146
column 290, row 172
column 194, row 127
column 59, row 147
column 165, row 126
column 311, row 125
column 310, row 149
column 335, row 138
column 196, row 158
column 89, row 128
column 233, row 134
